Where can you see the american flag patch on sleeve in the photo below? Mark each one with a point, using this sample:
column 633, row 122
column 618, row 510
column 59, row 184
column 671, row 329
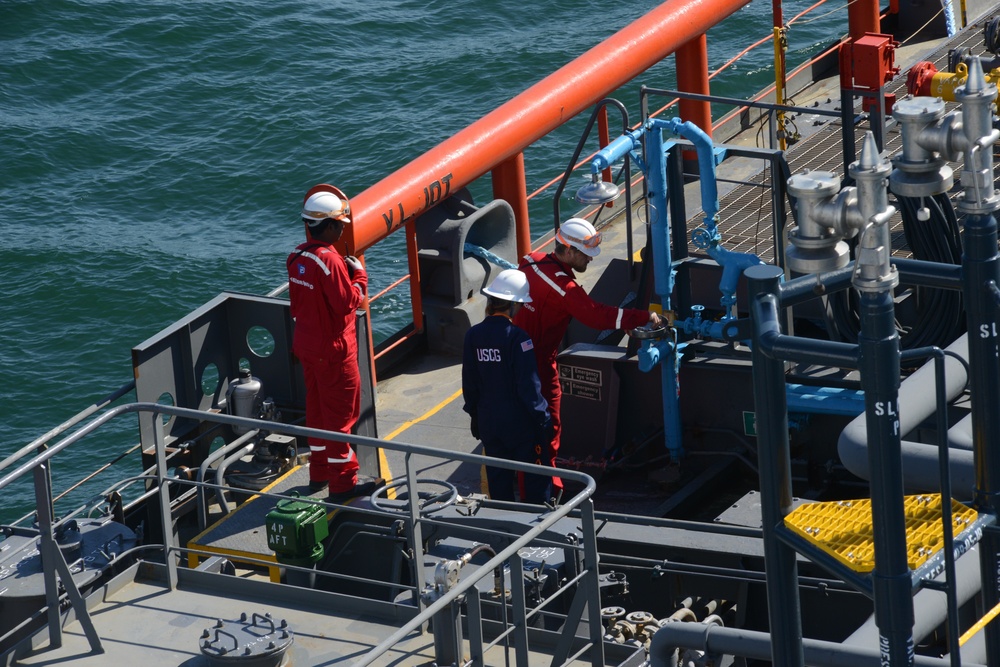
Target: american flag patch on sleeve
column 527, row 345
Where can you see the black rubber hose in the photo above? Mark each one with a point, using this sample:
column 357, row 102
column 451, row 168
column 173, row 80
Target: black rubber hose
column 939, row 317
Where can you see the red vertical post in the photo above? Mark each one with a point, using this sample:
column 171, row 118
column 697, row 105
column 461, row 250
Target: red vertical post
column 604, row 136
column 692, row 77
column 509, row 183
column 862, row 18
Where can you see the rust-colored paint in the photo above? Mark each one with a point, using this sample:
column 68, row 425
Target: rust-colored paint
column 508, row 130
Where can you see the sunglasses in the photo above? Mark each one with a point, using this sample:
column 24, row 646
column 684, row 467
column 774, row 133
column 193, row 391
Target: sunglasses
column 591, row 241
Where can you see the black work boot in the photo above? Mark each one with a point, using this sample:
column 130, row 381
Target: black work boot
column 362, row 487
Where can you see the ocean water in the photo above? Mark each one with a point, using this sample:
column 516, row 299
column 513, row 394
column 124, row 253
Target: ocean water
column 155, row 154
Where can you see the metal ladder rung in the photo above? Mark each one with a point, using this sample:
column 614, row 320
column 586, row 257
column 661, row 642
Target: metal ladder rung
column 979, row 625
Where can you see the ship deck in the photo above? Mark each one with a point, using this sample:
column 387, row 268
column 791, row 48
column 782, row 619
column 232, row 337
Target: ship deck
column 139, row 618
column 142, row 621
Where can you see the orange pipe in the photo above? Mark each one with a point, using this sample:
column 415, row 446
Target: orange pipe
column 508, row 130
column 692, row 77
column 509, row 184
column 407, row 336
column 389, row 288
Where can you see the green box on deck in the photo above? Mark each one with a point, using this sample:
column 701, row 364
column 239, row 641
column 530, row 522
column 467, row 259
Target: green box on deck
column 296, row 530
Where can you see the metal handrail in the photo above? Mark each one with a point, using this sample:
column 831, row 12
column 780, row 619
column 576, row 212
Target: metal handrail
column 54, row 563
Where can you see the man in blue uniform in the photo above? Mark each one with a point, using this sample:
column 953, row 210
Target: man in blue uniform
column 502, row 391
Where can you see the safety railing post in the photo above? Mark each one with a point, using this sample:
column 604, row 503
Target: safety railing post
column 510, row 184
column 519, row 606
column 981, row 269
column 163, row 491
column 474, row 611
column 416, row 298
column 53, row 565
column 593, row 583
column 47, row 548
column 416, row 530
column 771, row 413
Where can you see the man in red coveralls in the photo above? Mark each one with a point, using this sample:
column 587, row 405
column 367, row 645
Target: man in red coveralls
column 325, row 289
column 556, row 298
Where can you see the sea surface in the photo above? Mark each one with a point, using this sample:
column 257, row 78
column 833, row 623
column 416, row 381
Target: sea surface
column 155, row 153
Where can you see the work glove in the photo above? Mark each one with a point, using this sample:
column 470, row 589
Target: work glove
column 357, row 273
column 353, row 265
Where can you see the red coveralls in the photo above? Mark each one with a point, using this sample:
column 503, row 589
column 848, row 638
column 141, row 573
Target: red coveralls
column 324, row 298
column 556, row 298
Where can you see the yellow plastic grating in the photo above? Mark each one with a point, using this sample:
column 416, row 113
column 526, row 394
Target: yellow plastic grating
column 843, row 528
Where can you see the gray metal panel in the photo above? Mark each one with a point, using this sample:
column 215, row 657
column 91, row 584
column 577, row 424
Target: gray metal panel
column 589, row 408
column 163, row 364
column 175, row 360
column 219, row 333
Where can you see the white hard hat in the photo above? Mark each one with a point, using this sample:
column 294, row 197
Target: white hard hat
column 328, row 202
column 509, row 285
column 580, row 234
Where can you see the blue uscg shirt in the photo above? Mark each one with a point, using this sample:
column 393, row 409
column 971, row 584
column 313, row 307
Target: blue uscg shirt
column 500, row 381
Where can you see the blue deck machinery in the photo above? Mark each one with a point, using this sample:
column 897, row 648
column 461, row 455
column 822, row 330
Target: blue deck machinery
column 661, row 348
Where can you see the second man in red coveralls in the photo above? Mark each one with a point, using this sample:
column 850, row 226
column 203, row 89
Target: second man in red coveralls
column 325, row 289
column 556, row 298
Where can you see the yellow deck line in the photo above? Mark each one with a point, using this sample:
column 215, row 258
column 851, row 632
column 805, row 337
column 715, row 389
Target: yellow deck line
column 979, row 625
column 384, row 462
column 266, row 489
column 195, row 558
column 427, row 415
